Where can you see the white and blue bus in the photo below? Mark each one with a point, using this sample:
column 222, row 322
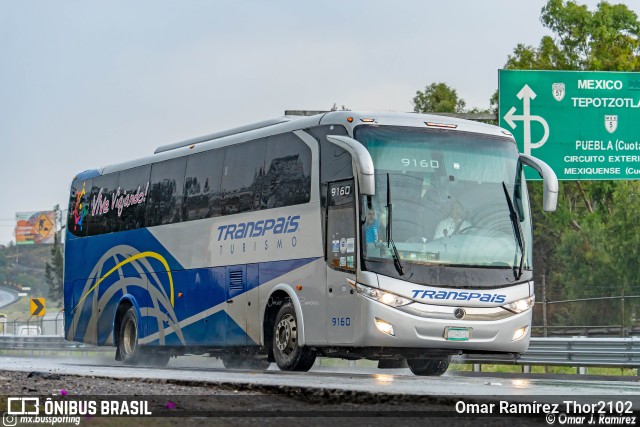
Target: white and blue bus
column 388, row 236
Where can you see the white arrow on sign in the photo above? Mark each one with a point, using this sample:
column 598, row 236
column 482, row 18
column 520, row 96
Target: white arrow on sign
column 527, row 94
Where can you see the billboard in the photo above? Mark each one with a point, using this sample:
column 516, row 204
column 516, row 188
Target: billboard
column 584, row 124
column 35, row 228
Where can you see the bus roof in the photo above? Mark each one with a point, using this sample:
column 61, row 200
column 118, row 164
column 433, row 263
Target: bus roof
column 349, row 119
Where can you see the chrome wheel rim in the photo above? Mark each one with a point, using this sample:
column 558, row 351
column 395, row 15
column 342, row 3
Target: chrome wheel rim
column 129, row 338
column 287, row 335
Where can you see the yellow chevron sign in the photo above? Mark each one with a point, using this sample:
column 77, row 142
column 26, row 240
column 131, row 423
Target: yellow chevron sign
column 38, row 307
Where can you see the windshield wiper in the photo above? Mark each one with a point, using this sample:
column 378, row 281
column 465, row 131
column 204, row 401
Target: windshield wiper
column 390, row 243
column 517, row 229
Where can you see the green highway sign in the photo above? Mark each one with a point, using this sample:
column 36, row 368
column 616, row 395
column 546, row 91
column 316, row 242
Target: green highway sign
column 584, row 124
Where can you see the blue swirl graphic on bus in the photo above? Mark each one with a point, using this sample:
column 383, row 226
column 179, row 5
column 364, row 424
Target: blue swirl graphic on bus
column 124, row 270
column 458, row 295
column 281, row 225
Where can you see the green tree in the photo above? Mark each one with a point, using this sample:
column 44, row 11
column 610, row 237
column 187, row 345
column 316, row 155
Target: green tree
column 606, row 39
column 3, row 259
column 54, row 269
column 625, row 251
column 438, row 98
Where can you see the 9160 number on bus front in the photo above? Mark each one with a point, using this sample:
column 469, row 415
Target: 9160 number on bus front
column 432, row 164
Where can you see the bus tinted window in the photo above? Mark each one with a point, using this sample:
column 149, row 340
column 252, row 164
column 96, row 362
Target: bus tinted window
column 243, row 176
column 79, row 207
column 102, row 217
column 288, row 172
column 202, row 185
column 164, row 205
column 335, row 162
column 131, row 197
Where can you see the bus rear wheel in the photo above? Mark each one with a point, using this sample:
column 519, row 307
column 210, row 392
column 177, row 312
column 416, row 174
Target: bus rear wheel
column 287, row 352
column 131, row 352
column 128, row 346
column 428, row 367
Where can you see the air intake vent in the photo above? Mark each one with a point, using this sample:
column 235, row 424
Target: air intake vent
column 236, row 281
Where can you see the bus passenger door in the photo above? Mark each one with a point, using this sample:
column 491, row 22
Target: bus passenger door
column 236, row 305
column 341, row 259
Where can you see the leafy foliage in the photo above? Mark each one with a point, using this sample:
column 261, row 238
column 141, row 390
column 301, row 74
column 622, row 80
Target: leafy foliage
column 53, row 271
column 607, row 39
column 24, row 266
column 438, row 98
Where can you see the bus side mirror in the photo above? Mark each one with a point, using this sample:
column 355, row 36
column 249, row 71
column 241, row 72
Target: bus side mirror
column 550, row 193
column 363, row 162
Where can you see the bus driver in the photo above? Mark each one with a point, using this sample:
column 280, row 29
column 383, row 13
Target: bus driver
column 454, row 224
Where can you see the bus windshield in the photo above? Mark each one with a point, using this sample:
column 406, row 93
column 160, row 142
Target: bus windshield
column 450, row 207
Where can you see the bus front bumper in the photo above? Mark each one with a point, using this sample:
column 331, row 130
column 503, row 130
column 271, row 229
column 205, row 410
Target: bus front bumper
column 386, row 326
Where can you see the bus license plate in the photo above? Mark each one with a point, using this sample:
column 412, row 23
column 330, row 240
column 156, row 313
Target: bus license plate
column 457, row 334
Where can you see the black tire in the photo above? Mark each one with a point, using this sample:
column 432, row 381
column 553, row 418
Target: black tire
column 289, row 356
column 245, row 362
column 130, row 351
column 428, row 367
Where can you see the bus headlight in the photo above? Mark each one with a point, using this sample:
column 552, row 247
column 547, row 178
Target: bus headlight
column 386, row 298
column 519, row 333
column 520, row 305
column 384, row 326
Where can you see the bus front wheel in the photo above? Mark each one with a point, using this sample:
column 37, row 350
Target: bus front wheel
column 287, row 352
column 428, row 367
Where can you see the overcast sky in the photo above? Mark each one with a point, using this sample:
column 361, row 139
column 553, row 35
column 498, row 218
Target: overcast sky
column 89, row 83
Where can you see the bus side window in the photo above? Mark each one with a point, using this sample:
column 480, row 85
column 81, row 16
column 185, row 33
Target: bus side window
column 79, row 207
column 287, row 178
column 165, row 198
column 202, row 185
column 341, row 225
column 102, row 216
column 241, row 177
column 131, row 200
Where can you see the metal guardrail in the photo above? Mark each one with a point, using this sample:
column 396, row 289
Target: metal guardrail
column 49, row 324
column 45, row 343
column 578, row 352
column 586, row 331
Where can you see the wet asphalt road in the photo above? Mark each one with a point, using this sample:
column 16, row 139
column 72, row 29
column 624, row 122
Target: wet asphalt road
column 7, row 297
column 352, row 380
